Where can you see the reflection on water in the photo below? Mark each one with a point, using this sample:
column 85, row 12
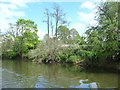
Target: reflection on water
column 43, row 83
column 17, row 74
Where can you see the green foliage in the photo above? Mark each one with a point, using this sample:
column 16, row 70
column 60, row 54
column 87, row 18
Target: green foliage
column 74, row 58
column 63, row 34
column 104, row 38
column 74, row 36
column 68, row 36
column 65, row 54
column 68, row 55
column 100, row 46
column 18, row 41
column 47, row 51
column 9, row 54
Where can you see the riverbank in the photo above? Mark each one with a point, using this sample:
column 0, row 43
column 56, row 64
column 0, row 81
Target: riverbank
column 110, row 67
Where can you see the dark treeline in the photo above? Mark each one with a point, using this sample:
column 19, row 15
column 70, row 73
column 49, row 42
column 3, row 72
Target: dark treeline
column 100, row 46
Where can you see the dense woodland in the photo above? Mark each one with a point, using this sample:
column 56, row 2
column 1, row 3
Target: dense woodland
column 100, row 45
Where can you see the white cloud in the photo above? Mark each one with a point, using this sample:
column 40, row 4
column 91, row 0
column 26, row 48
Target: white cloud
column 11, row 10
column 88, row 5
column 7, row 9
column 3, row 24
column 20, row 3
column 87, row 18
column 40, row 33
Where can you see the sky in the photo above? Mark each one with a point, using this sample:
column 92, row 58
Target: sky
column 80, row 13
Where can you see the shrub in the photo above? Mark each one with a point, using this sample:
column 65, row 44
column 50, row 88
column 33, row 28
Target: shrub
column 9, row 54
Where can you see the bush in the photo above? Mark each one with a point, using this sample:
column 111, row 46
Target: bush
column 73, row 58
column 47, row 51
column 9, row 54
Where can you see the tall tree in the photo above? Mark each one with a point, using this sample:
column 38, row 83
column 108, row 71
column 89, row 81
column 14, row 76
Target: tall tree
column 58, row 17
column 104, row 38
column 108, row 21
column 52, row 26
column 47, row 14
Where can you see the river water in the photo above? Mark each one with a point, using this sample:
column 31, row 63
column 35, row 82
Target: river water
column 17, row 74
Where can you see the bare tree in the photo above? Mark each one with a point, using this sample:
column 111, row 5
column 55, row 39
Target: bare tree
column 54, row 19
column 52, row 26
column 47, row 14
column 58, row 17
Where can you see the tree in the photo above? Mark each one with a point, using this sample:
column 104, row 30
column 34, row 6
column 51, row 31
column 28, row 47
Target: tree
column 47, row 14
column 23, row 36
column 63, row 34
column 58, row 17
column 103, row 40
column 47, row 51
column 108, row 21
column 74, row 36
column 52, row 26
column 27, row 33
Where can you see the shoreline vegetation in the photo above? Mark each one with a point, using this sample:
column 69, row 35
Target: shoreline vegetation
column 100, row 47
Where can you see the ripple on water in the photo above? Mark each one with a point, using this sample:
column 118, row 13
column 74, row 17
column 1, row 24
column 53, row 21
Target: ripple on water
column 44, row 83
column 9, row 81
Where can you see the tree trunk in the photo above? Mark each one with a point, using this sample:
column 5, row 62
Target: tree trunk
column 48, row 25
column 56, row 28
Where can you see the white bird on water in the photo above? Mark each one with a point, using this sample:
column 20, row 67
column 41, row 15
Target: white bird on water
column 83, row 81
column 83, row 84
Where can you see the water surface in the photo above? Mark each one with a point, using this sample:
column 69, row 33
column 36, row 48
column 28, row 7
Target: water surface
column 16, row 74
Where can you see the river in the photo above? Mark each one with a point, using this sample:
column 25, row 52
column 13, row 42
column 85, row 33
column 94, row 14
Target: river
column 17, row 74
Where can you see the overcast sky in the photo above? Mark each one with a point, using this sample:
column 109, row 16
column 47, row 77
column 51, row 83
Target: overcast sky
column 80, row 13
